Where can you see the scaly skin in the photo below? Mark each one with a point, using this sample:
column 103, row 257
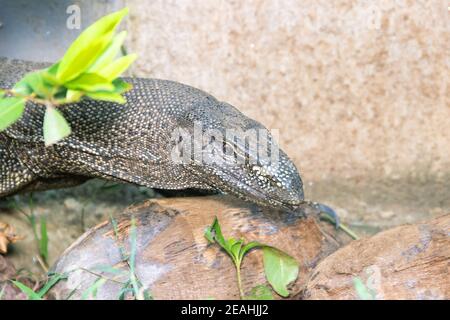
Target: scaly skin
column 132, row 143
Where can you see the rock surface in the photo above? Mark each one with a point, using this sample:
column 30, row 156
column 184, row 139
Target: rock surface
column 7, row 270
column 406, row 262
column 174, row 260
column 8, row 291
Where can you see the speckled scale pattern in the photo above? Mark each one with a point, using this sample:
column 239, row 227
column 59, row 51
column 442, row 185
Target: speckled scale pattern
column 132, row 143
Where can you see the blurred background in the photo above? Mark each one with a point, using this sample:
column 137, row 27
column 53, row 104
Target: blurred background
column 359, row 90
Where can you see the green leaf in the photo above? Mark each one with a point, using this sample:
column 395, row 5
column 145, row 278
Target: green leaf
column 260, row 292
column 235, row 249
column 28, row 291
column 53, row 69
column 147, row 295
column 280, row 269
column 125, row 289
column 72, row 63
column 362, row 291
column 133, row 245
column 216, row 234
column 90, row 82
column 115, row 69
column 73, row 96
column 43, row 242
column 50, row 78
column 209, row 234
column 2, row 93
column 92, row 290
column 110, row 53
column 35, row 81
column 11, row 109
column 84, row 60
column 52, row 281
column 22, row 88
column 106, row 96
column 121, row 86
column 56, row 127
column 249, row 246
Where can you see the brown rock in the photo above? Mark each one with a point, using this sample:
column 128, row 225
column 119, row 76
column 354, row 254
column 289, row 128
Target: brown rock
column 407, row 262
column 174, row 260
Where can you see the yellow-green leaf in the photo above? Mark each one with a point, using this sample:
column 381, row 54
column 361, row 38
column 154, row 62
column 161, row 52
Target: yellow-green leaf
column 280, row 268
column 56, row 127
column 53, row 69
column 90, row 82
column 115, row 69
column 101, row 28
column 11, row 109
column 22, row 88
column 110, row 53
column 50, row 78
column 84, row 59
column 35, row 81
column 2, row 93
column 73, row 96
column 121, row 86
column 107, row 96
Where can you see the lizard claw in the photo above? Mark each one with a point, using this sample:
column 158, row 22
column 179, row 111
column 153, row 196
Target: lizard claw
column 329, row 212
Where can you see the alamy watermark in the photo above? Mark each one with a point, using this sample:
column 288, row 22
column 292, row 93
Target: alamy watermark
column 74, row 19
column 225, row 147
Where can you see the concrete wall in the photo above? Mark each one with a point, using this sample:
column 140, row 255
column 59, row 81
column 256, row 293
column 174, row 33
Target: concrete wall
column 40, row 31
column 357, row 88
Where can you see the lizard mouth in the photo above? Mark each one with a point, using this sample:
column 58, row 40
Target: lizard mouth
column 240, row 189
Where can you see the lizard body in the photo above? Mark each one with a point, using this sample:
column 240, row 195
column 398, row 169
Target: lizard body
column 133, row 143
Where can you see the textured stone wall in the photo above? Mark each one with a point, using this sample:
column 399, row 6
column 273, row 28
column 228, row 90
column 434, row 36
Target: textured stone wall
column 355, row 87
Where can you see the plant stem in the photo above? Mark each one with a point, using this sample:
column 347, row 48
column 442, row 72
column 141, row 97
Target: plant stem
column 239, row 280
column 33, row 98
column 102, row 276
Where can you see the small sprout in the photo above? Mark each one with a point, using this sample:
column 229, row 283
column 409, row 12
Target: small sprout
column 280, row 268
column 39, row 295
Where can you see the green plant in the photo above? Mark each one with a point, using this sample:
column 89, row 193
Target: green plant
column 362, row 291
column 41, row 236
column 39, row 295
column 132, row 285
column 89, row 68
column 280, row 268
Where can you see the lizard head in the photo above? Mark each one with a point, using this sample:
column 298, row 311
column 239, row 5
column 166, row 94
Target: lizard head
column 275, row 185
column 240, row 157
